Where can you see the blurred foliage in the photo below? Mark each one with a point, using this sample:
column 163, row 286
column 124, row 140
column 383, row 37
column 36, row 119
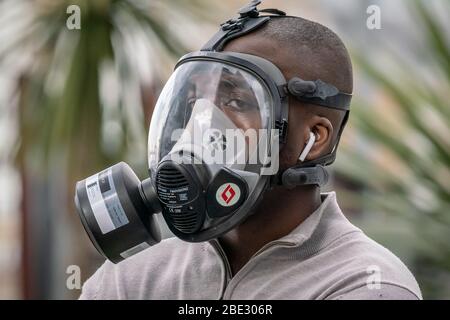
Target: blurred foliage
column 65, row 109
column 82, row 101
column 405, row 169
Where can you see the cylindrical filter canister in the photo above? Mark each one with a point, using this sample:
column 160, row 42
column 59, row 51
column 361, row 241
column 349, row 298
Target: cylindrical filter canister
column 117, row 212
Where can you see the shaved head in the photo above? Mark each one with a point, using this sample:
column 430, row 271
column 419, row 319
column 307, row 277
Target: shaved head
column 311, row 51
column 318, row 52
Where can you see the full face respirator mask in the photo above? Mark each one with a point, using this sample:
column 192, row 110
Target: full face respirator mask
column 213, row 148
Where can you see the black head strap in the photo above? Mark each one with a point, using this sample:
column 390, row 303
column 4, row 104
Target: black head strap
column 319, row 93
column 315, row 92
column 303, row 176
column 247, row 21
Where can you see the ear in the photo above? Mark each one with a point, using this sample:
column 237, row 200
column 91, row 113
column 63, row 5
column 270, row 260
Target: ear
column 323, row 130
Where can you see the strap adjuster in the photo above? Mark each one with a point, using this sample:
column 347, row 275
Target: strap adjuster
column 232, row 25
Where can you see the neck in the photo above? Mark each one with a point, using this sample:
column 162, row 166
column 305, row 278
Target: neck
column 280, row 212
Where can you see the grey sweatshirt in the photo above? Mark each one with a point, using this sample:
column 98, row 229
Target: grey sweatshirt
column 325, row 257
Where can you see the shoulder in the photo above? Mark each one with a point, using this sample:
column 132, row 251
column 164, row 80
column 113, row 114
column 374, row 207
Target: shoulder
column 385, row 291
column 368, row 270
column 154, row 265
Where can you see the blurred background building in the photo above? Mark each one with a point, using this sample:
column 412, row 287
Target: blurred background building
column 75, row 101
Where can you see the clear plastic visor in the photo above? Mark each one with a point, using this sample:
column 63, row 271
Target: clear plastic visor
column 214, row 111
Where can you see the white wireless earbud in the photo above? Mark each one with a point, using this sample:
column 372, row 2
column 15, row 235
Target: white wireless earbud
column 307, row 149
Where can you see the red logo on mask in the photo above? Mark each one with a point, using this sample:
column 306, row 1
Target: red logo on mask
column 228, row 194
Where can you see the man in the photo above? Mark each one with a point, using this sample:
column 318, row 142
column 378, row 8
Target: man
column 297, row 244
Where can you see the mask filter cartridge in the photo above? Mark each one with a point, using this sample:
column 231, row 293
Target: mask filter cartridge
column 116, row 210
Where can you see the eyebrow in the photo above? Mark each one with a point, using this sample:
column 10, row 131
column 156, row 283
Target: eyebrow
column 235, row 80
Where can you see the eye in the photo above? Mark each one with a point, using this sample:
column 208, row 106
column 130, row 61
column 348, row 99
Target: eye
column 239, row 105
column 191, row 102
column 235, row 103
